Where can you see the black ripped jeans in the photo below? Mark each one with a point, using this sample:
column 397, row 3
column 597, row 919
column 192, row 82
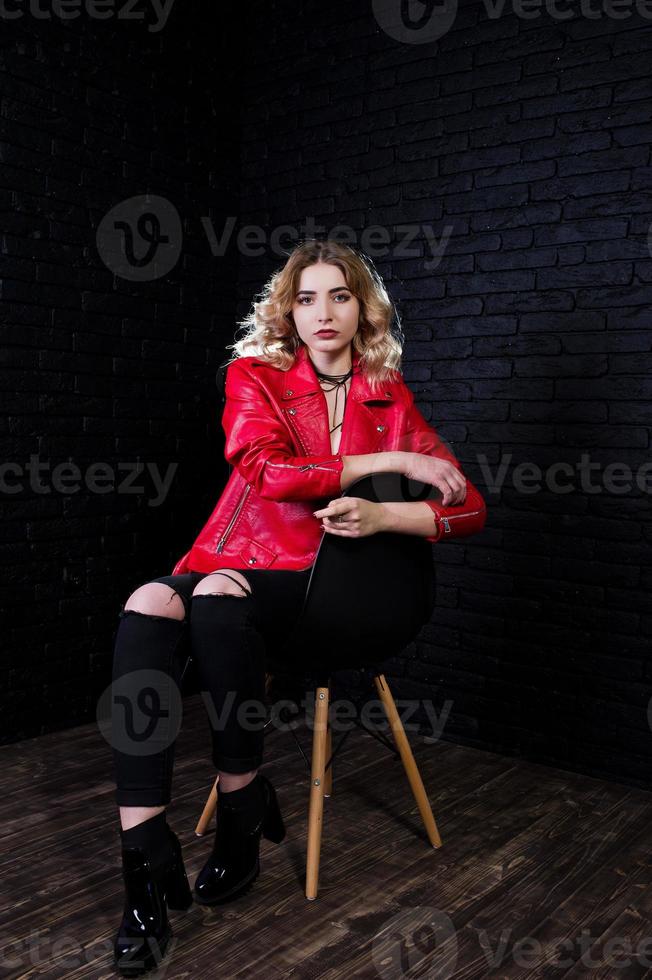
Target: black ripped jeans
column 228, row 636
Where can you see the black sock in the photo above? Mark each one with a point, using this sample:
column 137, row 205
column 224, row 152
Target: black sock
column 152, row 837
column 248, row 802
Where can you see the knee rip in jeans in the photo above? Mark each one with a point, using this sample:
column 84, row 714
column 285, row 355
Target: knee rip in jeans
column 230, row 595
column 137, row 612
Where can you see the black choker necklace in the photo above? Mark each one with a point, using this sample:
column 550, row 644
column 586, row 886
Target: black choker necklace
column 338, row 381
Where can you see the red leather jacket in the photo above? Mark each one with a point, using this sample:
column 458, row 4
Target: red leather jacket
column 277, row 441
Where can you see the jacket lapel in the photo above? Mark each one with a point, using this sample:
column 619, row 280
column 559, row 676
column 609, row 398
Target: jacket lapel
column 305, row 407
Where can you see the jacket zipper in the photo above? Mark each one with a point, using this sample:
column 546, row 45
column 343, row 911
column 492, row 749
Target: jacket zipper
column 456, row 517
column 316, row 466
column 222, row 541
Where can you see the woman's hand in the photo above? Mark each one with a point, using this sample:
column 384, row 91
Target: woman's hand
column 438, row 473
column 352, row 517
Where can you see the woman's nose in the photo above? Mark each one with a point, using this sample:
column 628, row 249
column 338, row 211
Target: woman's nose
column 323, row 315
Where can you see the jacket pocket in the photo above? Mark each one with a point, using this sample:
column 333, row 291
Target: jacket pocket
column 234, row 518
column 256, row 554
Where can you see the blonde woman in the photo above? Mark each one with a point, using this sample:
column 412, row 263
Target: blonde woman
column 314, row 401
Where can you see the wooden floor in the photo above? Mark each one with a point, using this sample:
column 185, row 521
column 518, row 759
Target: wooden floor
column 542, row 873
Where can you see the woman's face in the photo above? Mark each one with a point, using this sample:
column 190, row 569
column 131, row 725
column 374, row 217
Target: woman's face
column 324, row 300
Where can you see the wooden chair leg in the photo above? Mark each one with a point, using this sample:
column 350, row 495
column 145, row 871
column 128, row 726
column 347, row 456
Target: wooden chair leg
column 316, row 808
column 208, row 811
column 412, row 772
column 328, row 775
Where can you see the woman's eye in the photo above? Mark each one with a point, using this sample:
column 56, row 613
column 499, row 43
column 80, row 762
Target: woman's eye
column 343, row 296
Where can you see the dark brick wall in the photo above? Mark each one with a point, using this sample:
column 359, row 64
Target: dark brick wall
column 523, row 147
column 530, row 342
column 96, row 368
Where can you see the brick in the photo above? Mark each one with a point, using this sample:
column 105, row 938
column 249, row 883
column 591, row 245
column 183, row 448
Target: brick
column 582, row 366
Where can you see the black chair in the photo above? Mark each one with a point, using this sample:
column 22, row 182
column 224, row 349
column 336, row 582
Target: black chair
column 366, row 599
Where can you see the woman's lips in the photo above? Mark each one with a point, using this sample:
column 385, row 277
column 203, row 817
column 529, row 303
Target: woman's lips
column 326, row 333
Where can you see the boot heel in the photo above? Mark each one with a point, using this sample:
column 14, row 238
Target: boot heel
column 175, row 884
column 273, row 828
column 177, row 890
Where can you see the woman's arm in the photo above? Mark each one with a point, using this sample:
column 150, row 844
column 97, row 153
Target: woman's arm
column 430, row 519
column 410, row 517
column 356, row 467
column 462, row 509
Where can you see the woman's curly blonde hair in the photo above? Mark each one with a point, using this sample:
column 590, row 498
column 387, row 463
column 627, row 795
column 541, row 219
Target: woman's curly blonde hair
column 270, row 332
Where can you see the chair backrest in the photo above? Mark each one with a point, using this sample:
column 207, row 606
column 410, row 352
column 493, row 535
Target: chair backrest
column 368, row 597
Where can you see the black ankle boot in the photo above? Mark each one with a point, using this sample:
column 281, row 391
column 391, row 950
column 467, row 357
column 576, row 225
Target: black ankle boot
column 234, row 863
column 150, row 890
